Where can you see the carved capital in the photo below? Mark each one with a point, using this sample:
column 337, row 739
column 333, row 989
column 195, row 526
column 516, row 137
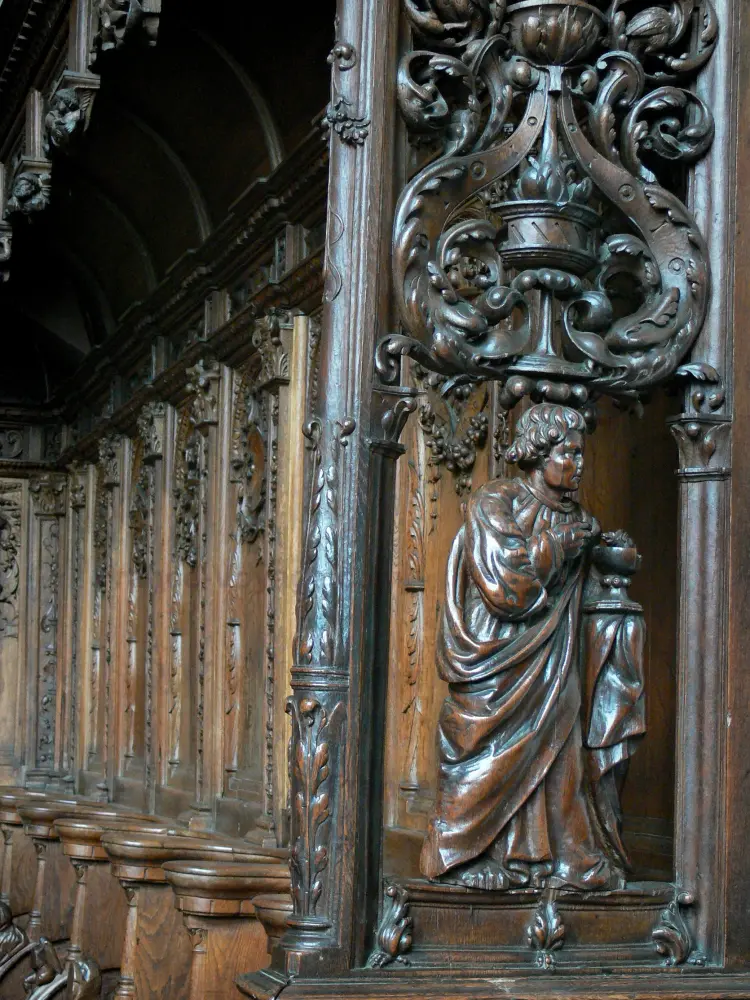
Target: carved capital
column 393, row 407
column 204, row 381
column 48, row 495
column 109, row 459
column 151, row 428
column 274, row 359
column 704, row 444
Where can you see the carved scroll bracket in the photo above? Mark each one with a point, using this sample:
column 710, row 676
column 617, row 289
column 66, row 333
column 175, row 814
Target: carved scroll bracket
column 672, row 937
column 395, row 933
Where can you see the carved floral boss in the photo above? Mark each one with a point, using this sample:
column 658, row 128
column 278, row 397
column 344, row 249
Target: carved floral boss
column 539, row 246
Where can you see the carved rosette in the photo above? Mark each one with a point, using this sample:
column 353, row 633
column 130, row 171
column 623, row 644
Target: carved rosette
column 513, row 247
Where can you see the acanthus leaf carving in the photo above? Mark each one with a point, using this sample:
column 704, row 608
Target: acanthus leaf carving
column 311, row 771
column 395, row 932
column 266, row 338
column 501, row 261
column 48, row 495
column 546, row 932
column 324, row 484
column 672, row 937
column 10, row 545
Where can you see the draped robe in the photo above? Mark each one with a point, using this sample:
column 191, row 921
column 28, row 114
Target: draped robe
column 513, row 780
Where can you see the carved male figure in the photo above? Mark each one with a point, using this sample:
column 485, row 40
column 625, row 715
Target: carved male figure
column 544, row 666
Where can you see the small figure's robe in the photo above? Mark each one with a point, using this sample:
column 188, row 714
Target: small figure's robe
column 514, row 782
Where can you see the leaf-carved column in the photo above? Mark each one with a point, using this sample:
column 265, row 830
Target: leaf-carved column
column 209, row 415
column 342, row 612
column 48, row 503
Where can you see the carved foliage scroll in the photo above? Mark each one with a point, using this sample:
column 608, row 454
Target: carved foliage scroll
column 10, row 545
column 542, row 246
column 48, row 503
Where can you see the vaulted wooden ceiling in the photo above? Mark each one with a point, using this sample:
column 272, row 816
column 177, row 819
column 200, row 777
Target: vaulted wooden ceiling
column 177, row 134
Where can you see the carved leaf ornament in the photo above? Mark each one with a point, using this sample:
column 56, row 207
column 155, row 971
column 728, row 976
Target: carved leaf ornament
column 540, row 247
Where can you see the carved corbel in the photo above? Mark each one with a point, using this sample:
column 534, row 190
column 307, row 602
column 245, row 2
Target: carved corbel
column 109, row 459
column 203, row 381
column 69, row 111
column 151, row 428
column 30, row 188
column 125, row 22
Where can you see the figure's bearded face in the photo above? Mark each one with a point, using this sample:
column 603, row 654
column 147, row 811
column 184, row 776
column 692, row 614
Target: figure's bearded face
column 563, row 467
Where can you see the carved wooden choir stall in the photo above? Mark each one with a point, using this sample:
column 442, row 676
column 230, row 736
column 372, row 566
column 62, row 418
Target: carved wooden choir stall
column 373, row 499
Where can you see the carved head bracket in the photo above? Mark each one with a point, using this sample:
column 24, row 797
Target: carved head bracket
column 541, row 247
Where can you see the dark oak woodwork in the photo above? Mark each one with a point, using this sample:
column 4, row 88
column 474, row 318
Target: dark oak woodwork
column 263, row 536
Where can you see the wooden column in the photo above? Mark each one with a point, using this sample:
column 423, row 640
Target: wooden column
column 46, row 569
column 342, row 612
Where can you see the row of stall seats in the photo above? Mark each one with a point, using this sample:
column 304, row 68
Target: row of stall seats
column 98, row 901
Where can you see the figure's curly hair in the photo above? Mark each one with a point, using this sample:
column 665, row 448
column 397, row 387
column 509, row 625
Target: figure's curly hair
column 538, row 431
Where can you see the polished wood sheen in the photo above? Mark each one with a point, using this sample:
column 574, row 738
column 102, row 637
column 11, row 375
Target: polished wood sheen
column 373, row 511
